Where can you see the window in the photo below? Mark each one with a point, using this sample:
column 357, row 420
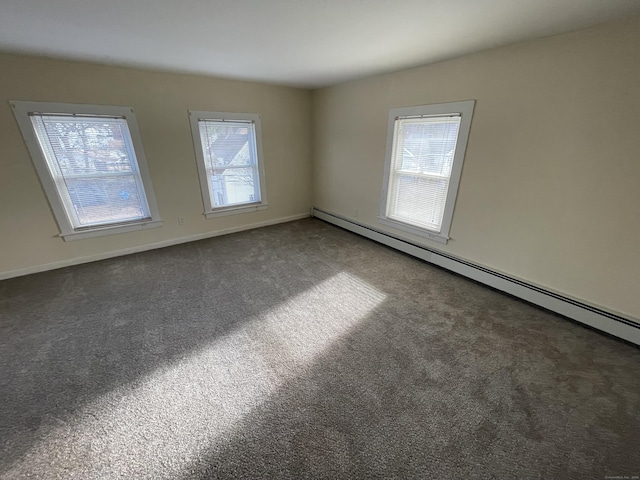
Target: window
column 425, row 151
column 91, row 165
column 229, row 154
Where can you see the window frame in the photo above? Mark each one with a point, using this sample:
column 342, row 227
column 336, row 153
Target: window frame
column 23, row 109
column 465, row 110
column 210, row 210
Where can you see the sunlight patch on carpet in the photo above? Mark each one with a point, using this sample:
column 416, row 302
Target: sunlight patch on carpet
column 159, row 425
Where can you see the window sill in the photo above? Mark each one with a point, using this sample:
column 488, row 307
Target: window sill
column 224, row 211
column 110, row 230
column 436, row 237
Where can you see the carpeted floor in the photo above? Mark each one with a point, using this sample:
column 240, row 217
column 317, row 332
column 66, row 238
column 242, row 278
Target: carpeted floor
column 302, row 351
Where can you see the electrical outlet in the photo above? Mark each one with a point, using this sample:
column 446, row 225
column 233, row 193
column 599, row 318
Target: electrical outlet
column 180, row 221
column 355, row 213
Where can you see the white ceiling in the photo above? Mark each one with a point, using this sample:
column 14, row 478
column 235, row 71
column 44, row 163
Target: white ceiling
column 305, row 43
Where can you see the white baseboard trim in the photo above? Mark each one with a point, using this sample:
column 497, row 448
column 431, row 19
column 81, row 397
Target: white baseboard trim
column 612, row 323
column 141, row 248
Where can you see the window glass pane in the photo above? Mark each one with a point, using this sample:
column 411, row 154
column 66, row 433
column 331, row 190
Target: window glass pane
column 89, row 146
column 233, row 186
column 428, row 144
column 231, row 161
column 419, row 201
column 93, row 165
column 226, row 143
column 103, row 200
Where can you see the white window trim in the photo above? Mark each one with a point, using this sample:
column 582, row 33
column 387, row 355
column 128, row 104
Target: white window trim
column 210, row 211
column 21, row 110
column 465, row 110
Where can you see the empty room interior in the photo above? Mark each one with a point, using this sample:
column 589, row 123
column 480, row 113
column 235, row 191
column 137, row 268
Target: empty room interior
column 295, row 239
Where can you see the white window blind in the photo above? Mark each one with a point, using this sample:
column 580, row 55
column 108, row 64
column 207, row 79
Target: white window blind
column 93, row 165
column 421, row 165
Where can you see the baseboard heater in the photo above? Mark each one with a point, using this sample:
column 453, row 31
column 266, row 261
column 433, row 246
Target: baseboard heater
column 612, row 323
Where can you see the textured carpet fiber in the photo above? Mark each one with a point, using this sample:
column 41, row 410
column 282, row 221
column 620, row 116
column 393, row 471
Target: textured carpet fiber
column 302, row 351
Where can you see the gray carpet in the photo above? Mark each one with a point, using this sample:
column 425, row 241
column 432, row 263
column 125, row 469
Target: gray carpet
column 302, row 351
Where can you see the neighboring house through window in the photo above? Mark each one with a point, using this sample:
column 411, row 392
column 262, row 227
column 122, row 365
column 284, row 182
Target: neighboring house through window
column 425, row 150
column 91, row 165
column 229, row 156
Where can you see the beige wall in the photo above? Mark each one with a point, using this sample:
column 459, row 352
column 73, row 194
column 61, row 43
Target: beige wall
column 161, row 101
column 550, row 191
